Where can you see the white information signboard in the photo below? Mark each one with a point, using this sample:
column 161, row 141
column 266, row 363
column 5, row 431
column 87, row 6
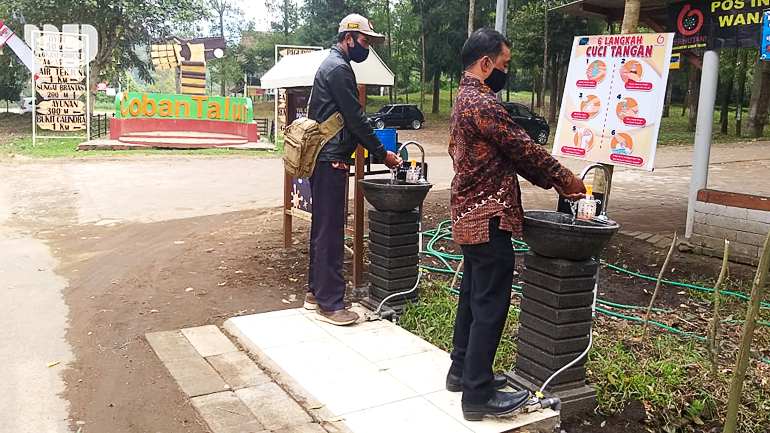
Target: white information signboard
column 613, row 99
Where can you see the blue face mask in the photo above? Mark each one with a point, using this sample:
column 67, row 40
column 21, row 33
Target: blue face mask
column 357, row 52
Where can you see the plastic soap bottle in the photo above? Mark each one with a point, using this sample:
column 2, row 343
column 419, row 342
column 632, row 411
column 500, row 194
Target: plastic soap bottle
column 413, row 173
column 587, row 206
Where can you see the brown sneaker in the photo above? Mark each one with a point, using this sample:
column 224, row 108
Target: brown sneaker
column 337, row 317
column 310, row 303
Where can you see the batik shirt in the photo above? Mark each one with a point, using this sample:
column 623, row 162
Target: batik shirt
column 488, row 150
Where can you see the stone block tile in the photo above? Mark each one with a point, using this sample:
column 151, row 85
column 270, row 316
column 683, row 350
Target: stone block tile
column 411, row 415
column 314, row 357
column 655, row 239
column 715, row 232
column 238, row 370
column 196, row 376
column 761, row 216
column 386, row 343
column 744, row 249
column 355, row 388
column 304, row 428
column 223, row 412
column 643, row 236
column 664, row 243
column 272, row 407
column 171, row 346
column 449, row 402
column 209, row 340
column 751, row 238
column 279, row 331
column 710, row 208
column 424, row 372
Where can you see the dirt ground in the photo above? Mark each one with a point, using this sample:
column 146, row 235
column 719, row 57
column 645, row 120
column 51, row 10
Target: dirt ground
column 130, row 279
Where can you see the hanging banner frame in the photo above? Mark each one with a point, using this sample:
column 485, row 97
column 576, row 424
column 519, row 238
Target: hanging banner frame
column 613, row 99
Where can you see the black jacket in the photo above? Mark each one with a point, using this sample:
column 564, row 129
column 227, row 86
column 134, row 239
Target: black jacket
column 335, row 89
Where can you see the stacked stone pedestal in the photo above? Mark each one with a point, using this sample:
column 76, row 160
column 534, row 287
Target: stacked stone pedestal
column 554, row 328
column 394, row 256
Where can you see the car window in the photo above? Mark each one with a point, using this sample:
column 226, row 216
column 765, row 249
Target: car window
column 513, row 110
column 414, row 111
column 385, row 109
column 397, row 110
column 524, row 111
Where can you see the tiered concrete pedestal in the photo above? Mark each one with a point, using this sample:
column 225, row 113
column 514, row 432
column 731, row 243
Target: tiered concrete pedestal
column 394, row 255
column 555, row 324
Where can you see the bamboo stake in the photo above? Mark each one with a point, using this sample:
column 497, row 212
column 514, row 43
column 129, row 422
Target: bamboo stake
column 457, row 272
column 714, row 331
column 744, row 351
column 657, row 285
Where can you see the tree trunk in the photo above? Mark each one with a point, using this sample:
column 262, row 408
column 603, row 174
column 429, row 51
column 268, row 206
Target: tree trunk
column 436, row 92
column 760, row 100
column 545, row 59
column 471, row 16
column 743, row 59
column 451, row 91
column 552, row 98
column 694, row 98
column 534, row 90
column 390, row 49
column 540, row 94
column 631, row 17
column 669, row 95
column 222, row 34
column 422, row 72
column 728, row 91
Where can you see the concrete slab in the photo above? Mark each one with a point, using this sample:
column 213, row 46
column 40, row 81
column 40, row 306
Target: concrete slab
column 209, row 340
column 196, row 376
column 238, row 370
column 305, row 428
column 226, row 413
column 396, row 390
column 272, row 407
column 171, row 346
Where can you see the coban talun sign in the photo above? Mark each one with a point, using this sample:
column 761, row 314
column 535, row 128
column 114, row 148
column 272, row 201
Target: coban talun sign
column 156, row 105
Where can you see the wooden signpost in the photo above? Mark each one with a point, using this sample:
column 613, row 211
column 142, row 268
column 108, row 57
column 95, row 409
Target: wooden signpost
column 62, row 80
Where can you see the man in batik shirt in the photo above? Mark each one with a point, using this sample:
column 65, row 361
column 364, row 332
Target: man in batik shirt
column 488, row 150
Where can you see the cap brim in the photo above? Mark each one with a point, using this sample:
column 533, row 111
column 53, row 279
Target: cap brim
column 376, row 37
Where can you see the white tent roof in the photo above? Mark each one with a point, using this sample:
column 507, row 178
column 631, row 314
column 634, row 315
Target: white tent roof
column 299, row 71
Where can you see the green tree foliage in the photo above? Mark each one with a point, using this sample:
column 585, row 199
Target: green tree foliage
column 122, row 26
column 12, row 76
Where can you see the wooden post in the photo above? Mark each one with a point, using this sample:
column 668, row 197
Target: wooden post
column 286, row 209
column 358, row 207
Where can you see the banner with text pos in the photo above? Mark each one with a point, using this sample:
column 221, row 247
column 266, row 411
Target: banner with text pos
column 613, row 99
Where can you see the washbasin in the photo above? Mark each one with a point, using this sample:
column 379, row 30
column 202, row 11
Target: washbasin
column 556, row 235
column 389, row 197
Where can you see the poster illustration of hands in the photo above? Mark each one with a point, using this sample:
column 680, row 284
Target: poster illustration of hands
column 613, row 99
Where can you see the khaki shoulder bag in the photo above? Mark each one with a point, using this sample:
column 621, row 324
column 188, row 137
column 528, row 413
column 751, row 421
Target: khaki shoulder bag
column 303, row 140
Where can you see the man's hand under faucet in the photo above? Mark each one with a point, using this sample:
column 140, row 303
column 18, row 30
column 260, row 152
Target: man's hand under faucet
column 392, row 161
column 574, row 191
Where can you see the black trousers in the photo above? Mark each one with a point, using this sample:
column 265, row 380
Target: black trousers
column 327, row 236
column 485, row 293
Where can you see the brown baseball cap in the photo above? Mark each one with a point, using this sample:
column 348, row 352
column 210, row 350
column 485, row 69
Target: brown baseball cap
column 357, row 23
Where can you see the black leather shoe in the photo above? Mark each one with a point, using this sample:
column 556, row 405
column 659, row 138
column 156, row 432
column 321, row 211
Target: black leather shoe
column 501, row 403
column 454, row 383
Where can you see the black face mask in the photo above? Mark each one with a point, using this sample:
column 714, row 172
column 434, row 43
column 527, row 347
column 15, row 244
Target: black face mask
column 357, row 52
column 496, row 80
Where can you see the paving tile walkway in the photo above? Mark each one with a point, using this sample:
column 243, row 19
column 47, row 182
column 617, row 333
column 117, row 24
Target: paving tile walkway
column 373, row 377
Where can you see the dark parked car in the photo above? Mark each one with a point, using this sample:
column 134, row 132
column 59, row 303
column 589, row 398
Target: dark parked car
column 398, row 115
column 536, row 126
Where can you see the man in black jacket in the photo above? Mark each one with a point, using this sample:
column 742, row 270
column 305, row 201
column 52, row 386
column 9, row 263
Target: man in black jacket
column 335, row 89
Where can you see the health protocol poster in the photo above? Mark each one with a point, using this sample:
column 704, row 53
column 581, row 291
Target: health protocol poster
column 613, row 99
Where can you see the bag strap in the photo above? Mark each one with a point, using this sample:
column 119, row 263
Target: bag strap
column 331, row 126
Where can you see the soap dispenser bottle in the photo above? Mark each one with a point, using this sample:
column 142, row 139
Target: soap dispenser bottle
column 413, row 173
column 587, row 206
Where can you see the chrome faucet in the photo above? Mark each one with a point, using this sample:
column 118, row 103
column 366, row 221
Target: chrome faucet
column 607, row 186
column 422, row 161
